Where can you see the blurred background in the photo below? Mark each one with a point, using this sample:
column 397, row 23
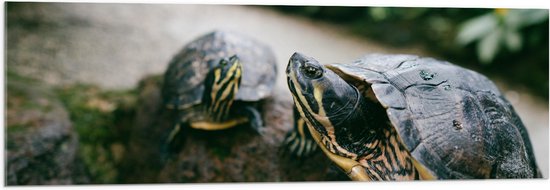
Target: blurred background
column 106, row 49
column 508, row 44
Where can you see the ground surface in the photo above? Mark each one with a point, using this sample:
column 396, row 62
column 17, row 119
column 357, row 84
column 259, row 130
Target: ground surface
column 115, row 45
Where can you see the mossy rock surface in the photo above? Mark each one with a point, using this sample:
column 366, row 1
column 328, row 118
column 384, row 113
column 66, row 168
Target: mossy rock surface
column 82, row 134
column 41, row 141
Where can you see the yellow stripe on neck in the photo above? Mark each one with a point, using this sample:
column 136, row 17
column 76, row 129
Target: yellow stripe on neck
column 354, row 170
column 211, row 126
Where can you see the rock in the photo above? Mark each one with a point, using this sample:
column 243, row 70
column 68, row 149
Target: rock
column 41, row 141
column 234, row 155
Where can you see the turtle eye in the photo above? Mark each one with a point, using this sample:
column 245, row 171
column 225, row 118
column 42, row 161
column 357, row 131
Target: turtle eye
column 223, row 62
column 311, row 71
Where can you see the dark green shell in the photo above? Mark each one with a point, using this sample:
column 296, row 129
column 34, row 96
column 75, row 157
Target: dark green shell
column 183, row 80
column 453, row 120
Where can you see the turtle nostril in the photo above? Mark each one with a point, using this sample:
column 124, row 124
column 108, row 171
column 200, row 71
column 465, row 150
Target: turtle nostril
column 288, row 69
column 293, row 63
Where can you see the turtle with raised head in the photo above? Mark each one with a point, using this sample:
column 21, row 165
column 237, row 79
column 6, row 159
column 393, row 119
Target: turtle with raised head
column 404, row 117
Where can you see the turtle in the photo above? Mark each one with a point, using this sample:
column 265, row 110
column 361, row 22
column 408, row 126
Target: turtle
column 406, row 117
column 216, row 81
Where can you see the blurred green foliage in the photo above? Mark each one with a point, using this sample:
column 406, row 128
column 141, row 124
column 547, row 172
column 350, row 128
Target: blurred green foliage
column 508, row 44
column 497, row 29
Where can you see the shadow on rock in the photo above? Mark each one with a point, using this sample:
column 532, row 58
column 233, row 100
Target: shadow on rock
column 234, row 155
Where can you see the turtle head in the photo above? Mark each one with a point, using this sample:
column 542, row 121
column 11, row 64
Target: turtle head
column 348, row 126
column 323, row 99
column 221, row 86
column 328, row 104
column 227, row 68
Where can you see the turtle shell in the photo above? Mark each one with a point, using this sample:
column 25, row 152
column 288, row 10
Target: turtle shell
column 453, row 120
column 185, row 75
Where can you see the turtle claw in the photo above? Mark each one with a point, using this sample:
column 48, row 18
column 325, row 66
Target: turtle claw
column 172, row 143
column 299, row 142
column 297, row 145
column 258, row 126
column 255, row 120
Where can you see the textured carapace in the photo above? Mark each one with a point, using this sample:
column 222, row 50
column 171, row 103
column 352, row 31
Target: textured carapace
column 185, row 75
column 441, row 120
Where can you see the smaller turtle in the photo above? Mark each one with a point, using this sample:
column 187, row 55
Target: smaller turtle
column 216, row 82
column 403, row 117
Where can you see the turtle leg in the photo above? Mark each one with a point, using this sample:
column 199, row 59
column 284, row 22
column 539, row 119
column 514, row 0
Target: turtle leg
column 299, row 142
column 173, row 141
column 254, row 118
